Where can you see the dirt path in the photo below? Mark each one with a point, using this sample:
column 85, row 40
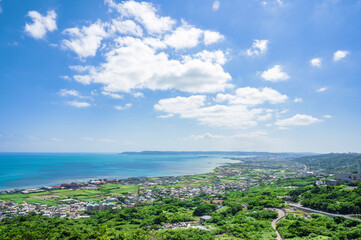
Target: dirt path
column 281, row 214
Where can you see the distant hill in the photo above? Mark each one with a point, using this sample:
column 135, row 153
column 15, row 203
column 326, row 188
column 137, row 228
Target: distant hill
column 332, row 162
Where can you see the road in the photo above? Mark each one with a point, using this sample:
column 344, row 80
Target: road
column 310, row 210
column 281, row 214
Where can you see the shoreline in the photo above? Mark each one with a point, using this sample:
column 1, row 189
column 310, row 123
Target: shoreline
column 44, row 188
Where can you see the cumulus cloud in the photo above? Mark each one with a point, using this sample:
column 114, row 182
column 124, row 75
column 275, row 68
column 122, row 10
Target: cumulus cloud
column 184, row 36
column 252, row 96
column 235, row 116
column 112, row 95
column 85, row 41
column 79, row 104
column 258, row 47
column 162, row 68
column 121, row 71
column 212, row 37
column 214, row 57
column 338, row 55
column 145, row 14
column 126, row 27
column 126, row 106
column 322, row 89
column 316, row 62
column 297, row 120
column 327, row 116
column 41, row 24
column 275, row 74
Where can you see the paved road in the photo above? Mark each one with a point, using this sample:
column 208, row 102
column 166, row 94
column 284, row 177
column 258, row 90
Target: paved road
column 281, row 214
column 310, row 210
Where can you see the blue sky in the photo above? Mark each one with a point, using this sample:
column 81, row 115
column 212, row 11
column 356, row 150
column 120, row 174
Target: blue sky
column 112, row 76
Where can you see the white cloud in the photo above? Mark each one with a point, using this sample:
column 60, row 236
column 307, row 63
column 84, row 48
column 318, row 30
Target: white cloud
column 258, row 47
column 138, row 94
column 126, row 106
column 338, row 55
column 65, row 77
column 215, row 6
column 65, row 92
column 194, row 107
column 206, row 136
column 126, row 27
column 213, row 57
column 316, row 62
column 73, row 93
column 275, row 74
column 298, row 100
column 79, row 104
column 184, row 36
column 145, row 14
column 297, row 120
column 211, row 37
column 85, row 41
column 322, row 89
column 112, row 95
column 121, row 71
column 41, row 24
column 252, row 96
column 327, row 116
column 122, row 41
column 155, row 43
column 166, row 116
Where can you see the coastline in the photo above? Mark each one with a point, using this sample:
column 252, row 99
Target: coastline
column 119, row 179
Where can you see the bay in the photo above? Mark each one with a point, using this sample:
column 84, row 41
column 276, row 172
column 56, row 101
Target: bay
column 25, row 170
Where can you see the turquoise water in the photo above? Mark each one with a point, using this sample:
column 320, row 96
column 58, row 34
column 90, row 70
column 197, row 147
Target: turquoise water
column 22, row 170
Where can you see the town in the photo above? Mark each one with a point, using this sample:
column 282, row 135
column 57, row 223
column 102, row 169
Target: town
column 74, row 200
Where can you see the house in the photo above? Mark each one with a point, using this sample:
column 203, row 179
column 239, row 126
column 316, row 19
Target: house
column 205, row 218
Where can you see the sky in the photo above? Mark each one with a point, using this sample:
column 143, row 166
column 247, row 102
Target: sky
column 114, row 76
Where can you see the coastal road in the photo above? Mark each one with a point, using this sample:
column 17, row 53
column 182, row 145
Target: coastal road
column 281, row 214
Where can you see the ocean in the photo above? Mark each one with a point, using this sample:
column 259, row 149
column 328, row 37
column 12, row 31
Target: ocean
column 26, row 170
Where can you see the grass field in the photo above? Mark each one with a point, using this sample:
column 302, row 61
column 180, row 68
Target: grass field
column 55, row 196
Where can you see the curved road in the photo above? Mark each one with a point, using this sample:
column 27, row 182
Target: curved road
column 281, row 214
